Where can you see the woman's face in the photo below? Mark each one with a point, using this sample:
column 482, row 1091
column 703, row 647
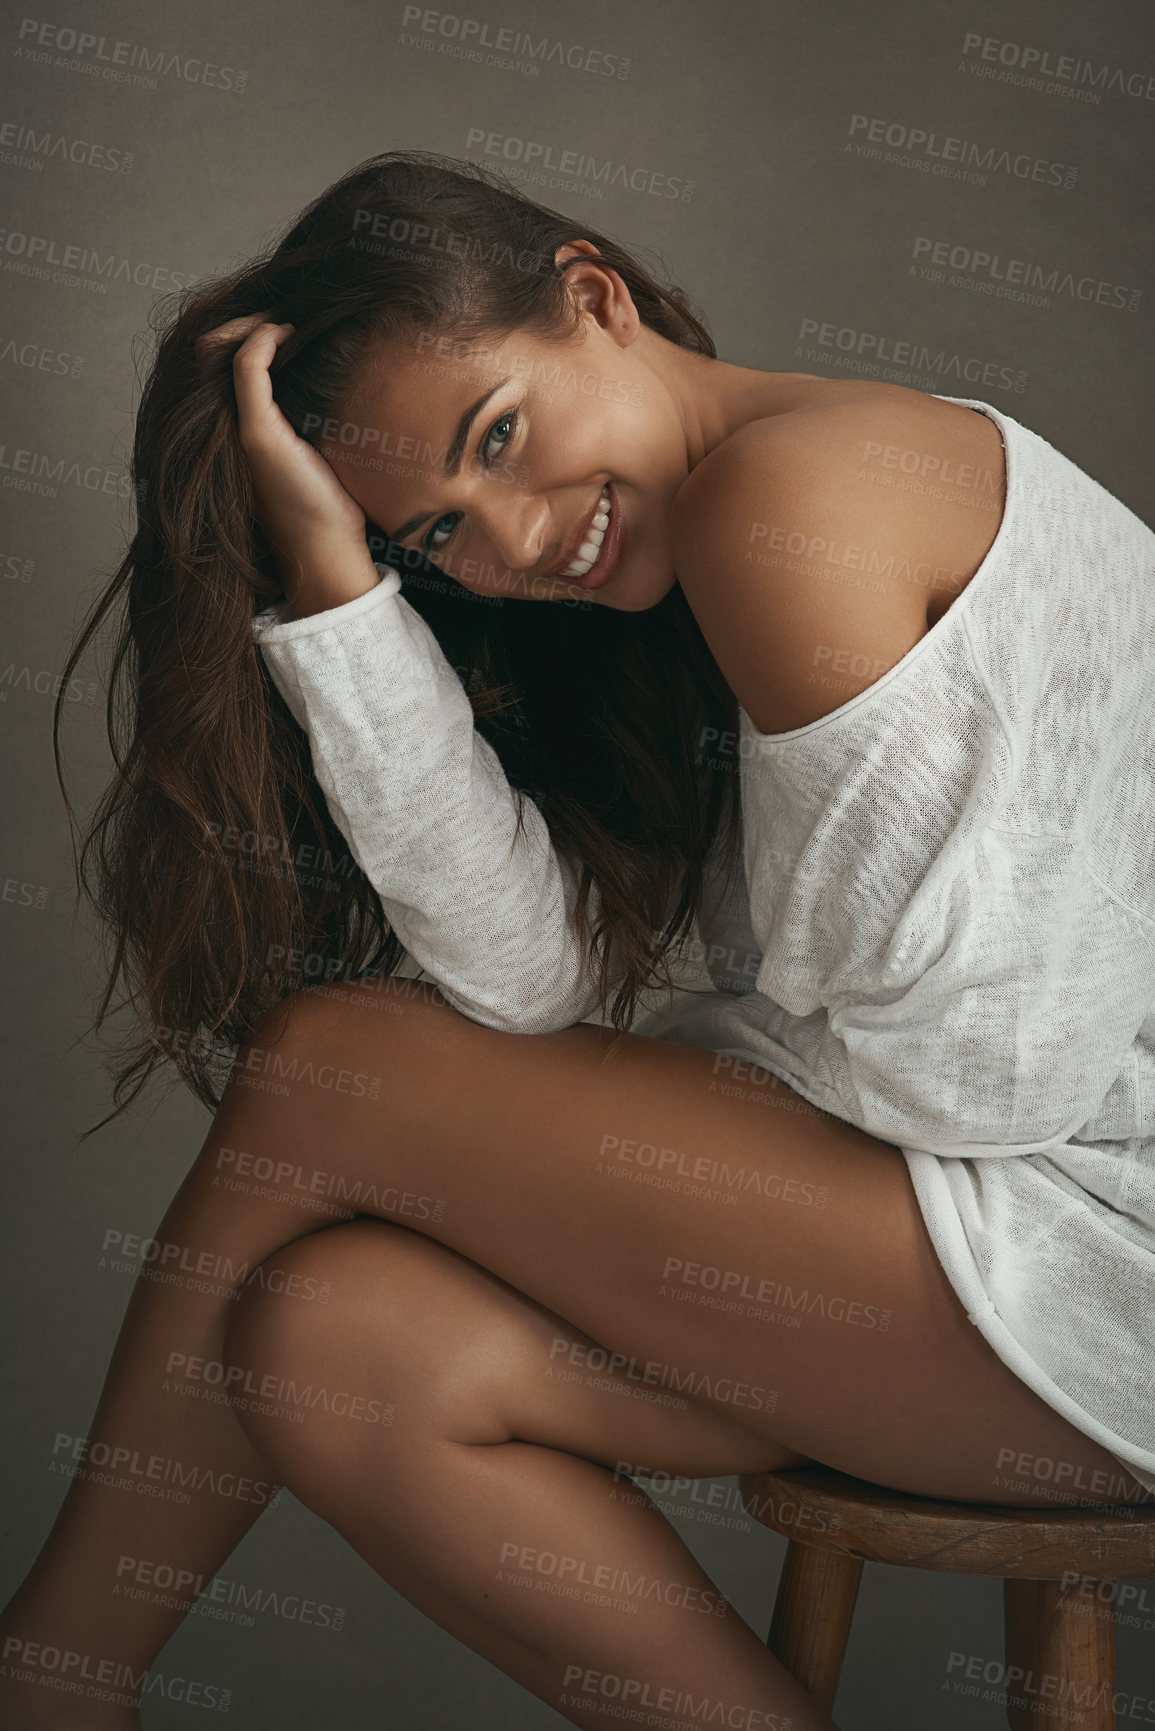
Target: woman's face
column 496, row 456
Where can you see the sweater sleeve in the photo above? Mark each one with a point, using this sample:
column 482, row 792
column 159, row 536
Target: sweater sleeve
column 428, row 813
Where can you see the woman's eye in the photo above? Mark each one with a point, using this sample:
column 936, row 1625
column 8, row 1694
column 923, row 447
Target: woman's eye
column 501, row 431
column 444, row 525
column 507, row 421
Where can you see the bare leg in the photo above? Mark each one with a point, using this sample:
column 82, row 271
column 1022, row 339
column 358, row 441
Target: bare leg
column 490, row 1144
column 490, row 1498
column 204, row 1483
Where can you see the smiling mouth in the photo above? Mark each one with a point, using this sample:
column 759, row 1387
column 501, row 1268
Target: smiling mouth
column 591, row 548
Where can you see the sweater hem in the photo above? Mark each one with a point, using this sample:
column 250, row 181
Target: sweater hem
column 957, row 1259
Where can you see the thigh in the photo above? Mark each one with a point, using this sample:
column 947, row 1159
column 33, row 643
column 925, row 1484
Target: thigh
column 422, row 1345
column 712, row 1242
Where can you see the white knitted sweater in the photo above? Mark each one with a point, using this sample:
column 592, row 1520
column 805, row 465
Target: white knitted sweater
column 429, row 816
column 946, row 932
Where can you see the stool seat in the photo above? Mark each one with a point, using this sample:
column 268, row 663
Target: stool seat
column 1057, row 1566
column 818, row 1506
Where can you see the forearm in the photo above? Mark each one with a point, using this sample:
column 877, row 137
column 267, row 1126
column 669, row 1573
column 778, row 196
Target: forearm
column 322, row 576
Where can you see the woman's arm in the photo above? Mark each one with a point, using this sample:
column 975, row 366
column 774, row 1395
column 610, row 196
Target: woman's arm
column 424, row 803
column 420, row 796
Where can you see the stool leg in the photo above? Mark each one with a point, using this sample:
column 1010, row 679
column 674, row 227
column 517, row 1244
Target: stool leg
column 1060, row 1657
column 812, row 1613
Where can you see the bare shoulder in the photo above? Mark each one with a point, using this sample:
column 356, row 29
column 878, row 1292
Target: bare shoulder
column 816, row 547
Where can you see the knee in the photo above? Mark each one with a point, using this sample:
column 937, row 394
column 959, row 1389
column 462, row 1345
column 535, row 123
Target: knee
column 369, row 1294
column 342, row 1331
column 298, row 1352
column 297, row 1305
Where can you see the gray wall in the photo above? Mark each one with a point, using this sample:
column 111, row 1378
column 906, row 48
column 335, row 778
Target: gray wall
column 787, row 217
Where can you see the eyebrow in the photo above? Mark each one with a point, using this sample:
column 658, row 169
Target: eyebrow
column 454, row 455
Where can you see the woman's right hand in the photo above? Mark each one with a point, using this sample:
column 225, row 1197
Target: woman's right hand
column 315, row 527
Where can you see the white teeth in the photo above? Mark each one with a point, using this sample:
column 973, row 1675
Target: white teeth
column 592, row 545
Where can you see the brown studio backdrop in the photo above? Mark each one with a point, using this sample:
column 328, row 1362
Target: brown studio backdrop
column 792, row 166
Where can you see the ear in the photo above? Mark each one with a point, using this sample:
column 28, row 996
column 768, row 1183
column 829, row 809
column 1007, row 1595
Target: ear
column 597, row 292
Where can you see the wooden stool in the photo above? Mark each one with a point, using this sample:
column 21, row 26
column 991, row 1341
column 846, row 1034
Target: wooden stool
column 1052, row 1630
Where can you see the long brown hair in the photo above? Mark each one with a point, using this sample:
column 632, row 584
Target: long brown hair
column 597, row 715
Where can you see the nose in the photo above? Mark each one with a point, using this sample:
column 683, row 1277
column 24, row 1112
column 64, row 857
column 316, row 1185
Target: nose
column 515, row 523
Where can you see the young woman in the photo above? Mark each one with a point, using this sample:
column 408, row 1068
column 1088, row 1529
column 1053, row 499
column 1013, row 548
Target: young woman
column 851, row 673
